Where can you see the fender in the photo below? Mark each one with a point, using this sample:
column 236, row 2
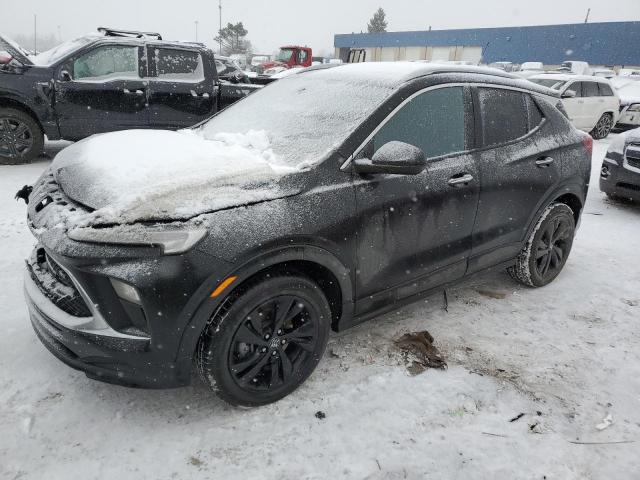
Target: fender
column 40, row 109
column 193, row 329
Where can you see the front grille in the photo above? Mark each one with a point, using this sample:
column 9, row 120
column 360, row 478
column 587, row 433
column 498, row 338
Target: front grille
column 56, row 285
column 633, row 155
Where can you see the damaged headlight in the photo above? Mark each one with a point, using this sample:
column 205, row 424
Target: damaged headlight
column 172, row 242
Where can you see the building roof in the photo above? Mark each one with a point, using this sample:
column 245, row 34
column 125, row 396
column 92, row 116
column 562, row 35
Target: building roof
column 609, row 43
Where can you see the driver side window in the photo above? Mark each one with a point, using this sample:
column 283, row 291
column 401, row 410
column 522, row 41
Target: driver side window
column 107, row 61
column 433, row 121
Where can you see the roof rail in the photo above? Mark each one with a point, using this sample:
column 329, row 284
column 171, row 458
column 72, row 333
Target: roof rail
column 115, row 32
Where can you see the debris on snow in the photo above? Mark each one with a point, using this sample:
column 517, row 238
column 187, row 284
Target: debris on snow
column 419, row 352
column 517, row 417
column 320, row 415
column 492, row 294
column 606, row 422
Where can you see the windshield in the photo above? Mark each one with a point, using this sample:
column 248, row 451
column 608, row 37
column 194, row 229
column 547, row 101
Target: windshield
column 57, row 53
column 549, row 82
column 305, row 116
column 285, row 54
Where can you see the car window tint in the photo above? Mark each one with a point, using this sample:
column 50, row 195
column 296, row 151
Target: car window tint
column 504, row 115
column 590, row 89
column 605, row 90
column 107, row 61
column 175, row 64
column 576, row 87
column 535, row 115
column 221, row 67
column 432, row 121
column 302, row 56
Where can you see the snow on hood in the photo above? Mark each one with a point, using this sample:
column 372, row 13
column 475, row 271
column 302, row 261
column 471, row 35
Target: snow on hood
column 144, row 175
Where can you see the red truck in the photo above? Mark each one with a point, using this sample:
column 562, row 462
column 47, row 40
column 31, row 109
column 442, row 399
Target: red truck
column 289, row 57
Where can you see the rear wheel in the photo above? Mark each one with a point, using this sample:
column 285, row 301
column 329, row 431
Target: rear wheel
column 21, row 139
column 603, row 127
column 265, row 342
column 547, row 248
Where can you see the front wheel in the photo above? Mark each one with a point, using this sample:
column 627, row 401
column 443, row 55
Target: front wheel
column 21, row 139
column 263, row 343
column 547, row 248
column 603, row 127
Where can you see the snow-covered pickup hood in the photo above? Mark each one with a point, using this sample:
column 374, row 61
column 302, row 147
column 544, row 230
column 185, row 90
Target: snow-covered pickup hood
column 146, row 175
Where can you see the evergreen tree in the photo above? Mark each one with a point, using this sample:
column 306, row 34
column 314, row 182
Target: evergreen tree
column 378, row 23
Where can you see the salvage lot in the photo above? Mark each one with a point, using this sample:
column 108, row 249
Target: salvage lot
column 565, row 355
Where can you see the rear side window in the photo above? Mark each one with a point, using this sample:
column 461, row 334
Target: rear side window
column 178, row 65
column 590, row 89
column 433, row 121
column 605, row 90
column 504, row 115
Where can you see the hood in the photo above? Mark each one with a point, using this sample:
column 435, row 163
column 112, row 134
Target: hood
column 150, row 175
column 15, row 50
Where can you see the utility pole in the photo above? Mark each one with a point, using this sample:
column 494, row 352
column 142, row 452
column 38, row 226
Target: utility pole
column 220, row 31
column 587, row 17
column 35, row 33
column 196, row 22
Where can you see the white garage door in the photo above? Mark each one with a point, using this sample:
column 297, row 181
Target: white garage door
column 415, row 53
column 440, row 53
column 471, row 54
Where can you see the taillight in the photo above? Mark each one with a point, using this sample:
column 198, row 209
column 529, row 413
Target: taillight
column 587, row 141
column 5, row 58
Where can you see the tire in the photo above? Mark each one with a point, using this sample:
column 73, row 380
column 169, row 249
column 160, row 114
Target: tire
column 603, row 127
column 243, row 355
column 547, row 248
column 21, row 139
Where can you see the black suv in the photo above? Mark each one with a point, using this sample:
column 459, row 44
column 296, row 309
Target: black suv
column 375, row 184
column 113, row 80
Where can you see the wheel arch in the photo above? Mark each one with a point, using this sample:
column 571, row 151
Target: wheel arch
column 570, row 194
column 331, row 275
column 6, row 102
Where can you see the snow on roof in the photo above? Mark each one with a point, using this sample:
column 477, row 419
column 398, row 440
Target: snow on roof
column 396, row 73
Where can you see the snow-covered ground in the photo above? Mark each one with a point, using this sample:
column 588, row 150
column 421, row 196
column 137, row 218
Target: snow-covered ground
column 565, row 356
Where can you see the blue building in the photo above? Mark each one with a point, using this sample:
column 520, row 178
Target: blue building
column 610, row 43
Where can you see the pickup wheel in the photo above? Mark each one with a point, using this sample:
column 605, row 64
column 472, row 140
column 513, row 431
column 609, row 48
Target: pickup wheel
column 603, row 127
column 21, row 139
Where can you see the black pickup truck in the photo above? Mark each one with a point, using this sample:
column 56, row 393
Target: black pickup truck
column 113, row 80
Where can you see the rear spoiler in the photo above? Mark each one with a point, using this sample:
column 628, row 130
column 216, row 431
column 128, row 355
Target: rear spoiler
column 13, row 49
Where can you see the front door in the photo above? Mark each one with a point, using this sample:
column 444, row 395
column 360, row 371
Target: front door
column 414, row 231
column 182, row 90
column 101, row 90
column 519, row 167
column 575, row 105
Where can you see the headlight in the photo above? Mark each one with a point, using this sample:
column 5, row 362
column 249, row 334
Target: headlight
column 634, row 107
column 172, row 242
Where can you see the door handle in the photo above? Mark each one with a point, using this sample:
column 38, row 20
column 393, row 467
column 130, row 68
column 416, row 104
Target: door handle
column 135, row 92
column 544, row 162
column 461, row 179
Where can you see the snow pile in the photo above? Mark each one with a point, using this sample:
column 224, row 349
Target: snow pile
column 139, row 175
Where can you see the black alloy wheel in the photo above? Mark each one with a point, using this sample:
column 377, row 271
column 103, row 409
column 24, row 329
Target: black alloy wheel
column 553, row 247
column 264, row 342
column 20, row 137
column 547, row 248
column 272, row 343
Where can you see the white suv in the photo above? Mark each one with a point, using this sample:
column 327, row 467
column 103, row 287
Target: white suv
column 591, row 102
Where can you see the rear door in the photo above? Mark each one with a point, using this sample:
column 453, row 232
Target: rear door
column 182, row 90
column 593, row 106
column 517, row 172
column 101, row 90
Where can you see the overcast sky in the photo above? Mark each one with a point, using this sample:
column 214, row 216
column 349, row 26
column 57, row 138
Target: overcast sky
column 278, row 22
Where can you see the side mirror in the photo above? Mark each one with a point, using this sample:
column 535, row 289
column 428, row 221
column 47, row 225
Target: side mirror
column 569, row 94
column 65, row 76
column 396, row 158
